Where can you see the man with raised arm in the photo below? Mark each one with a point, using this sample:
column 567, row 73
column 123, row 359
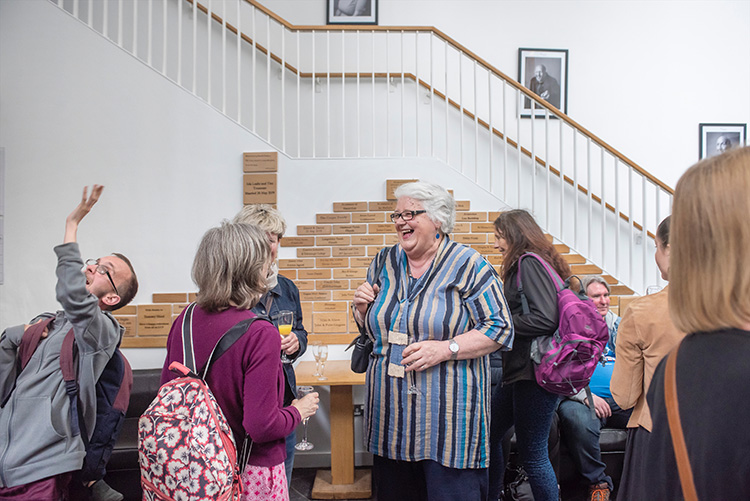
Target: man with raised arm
column 40, row 448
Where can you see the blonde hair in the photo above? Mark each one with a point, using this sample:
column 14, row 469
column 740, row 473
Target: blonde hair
column 264, row 216
column 230, row 267
column 710, row 244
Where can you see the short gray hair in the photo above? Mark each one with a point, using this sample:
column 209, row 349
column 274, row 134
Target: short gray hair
column 439, row 204
column 229, row 267
column 594, row 279
column 264, row 216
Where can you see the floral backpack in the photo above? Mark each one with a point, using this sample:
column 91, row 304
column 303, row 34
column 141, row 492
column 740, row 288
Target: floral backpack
column 185, row 445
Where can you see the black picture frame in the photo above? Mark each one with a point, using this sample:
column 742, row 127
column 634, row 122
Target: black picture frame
column 717, row 138
column 352, row 11
column 552, row 85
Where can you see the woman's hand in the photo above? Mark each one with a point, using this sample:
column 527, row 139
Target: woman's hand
column 307, row 405
column 425, row 354
column 363, row 296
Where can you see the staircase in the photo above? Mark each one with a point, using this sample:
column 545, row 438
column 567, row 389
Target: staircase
column 398, row 92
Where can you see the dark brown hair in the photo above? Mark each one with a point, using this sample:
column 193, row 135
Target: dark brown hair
column 131, row 286
column 522, row 234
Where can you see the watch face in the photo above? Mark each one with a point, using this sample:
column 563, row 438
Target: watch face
column 453, row 346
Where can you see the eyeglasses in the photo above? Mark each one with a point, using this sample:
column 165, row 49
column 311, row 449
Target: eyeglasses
column 407, row 215
column 100, row 269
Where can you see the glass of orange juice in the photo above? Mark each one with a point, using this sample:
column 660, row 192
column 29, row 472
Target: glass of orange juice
column 284, row 322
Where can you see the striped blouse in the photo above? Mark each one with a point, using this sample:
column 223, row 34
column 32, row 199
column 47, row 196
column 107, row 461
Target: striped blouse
column 447, row 421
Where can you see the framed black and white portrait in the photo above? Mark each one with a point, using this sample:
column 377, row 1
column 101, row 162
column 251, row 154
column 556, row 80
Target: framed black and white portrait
column 545, row 73
column 718, row 138
column 352, row 11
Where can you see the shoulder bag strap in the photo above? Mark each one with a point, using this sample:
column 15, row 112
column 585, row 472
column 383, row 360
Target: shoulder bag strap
column 556, row 280
column 675, row 428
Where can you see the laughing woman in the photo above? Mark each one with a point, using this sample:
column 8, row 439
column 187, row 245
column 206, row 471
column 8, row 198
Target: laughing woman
column 435, row 311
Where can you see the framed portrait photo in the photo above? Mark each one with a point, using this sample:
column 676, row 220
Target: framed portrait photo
column 545, row 73
column 352, row 11
column 718, row 138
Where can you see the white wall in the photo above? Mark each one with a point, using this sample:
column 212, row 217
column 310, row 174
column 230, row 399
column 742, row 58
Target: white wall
column 643, row 73
column 76, row 110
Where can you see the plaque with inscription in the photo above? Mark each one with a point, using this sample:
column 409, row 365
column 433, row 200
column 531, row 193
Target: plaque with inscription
column 260, row 161
column 259, row 189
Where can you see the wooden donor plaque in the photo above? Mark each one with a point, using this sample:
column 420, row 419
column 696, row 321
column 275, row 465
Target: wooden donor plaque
column 392, row 184
column 260, row 161
column 259, row 189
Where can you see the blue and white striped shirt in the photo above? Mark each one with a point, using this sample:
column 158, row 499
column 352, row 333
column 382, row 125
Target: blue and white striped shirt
column 448, row 420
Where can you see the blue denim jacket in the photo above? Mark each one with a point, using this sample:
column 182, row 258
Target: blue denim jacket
column 285, row 296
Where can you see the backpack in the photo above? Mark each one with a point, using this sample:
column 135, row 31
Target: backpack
column 112, row 396
column 565, row 361
column 186, row 449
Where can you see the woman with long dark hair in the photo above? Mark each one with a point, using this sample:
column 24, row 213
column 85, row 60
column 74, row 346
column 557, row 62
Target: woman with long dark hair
column 520, row 401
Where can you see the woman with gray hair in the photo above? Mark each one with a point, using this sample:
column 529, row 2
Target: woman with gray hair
column 434, row 309
column 282, row 295
column 230, row 269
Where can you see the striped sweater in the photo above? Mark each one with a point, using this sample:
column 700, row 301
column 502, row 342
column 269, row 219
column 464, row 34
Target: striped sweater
column 448, row 420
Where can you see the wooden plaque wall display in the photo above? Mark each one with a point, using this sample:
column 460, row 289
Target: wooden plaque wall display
column 259, row 189
column 264, row 161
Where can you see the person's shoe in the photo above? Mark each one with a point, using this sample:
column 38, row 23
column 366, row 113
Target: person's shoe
column 101, row 491
column 599, row 492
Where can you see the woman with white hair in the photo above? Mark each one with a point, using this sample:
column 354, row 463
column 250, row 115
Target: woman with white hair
column 435, row 311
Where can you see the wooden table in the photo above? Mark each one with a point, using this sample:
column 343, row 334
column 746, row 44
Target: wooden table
column 342, row 481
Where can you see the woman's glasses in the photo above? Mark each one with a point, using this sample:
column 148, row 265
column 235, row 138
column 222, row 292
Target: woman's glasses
column 407, row 215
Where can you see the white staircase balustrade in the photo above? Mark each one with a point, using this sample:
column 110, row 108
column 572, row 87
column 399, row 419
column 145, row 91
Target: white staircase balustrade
column 376, row 92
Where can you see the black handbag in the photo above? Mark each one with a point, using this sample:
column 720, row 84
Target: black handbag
column 363, row 343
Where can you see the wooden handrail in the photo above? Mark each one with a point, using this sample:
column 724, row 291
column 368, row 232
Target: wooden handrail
column 482, row 62
column 439, row 94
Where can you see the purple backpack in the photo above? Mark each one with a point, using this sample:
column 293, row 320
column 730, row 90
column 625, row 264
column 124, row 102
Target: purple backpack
column 565, row 361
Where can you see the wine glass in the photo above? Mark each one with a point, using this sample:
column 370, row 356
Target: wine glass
column 320, row 352
column 284, row 321
column 304, row 445
column 413, row 390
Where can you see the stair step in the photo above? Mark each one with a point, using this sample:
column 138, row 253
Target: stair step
column 562, row 248
column 585, row 269
column 574, row 258
column 621, row 290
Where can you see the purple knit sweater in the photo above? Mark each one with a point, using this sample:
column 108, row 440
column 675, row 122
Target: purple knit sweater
column 247, row 381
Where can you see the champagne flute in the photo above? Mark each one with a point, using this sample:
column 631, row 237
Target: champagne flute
column 320, row 352
column 304, row 445
column 413, row 390
column 284, row 322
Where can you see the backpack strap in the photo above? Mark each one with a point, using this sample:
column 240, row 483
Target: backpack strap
column 122, row 400
column 225, row 342
column 556, row 280
column 32, row 336
column 68, row 365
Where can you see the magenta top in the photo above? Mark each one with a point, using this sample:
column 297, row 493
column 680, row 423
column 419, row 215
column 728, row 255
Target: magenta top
column 247, row 381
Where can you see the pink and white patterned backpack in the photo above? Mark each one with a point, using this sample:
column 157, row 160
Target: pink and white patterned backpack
column 186, row 449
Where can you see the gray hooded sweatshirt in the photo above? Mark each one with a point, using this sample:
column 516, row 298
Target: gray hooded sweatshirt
column 35, row 429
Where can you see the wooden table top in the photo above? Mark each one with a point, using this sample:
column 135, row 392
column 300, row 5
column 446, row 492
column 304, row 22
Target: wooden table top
column 338, row 372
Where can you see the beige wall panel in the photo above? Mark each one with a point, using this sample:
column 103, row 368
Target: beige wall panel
column 259, row 189
column 350, row 207
column 265, row 161
column 169, row 297
column 333, row 218
column 333, row 241
column 314, row 252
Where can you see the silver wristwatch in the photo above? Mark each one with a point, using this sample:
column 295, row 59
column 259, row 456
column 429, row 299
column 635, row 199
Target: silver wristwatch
column 453, row 346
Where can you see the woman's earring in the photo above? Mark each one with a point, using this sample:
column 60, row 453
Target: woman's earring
column 437, row 236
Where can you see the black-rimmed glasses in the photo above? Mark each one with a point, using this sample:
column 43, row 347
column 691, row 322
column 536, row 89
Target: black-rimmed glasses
column 100, row 269
column 407, row 215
